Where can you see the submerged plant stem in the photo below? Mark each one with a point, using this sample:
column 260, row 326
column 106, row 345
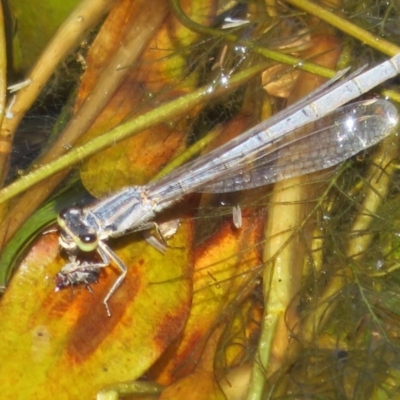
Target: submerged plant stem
column 85, row 15
column 271, row 54
column 288, row 232
column 376, row 190
column 347, row 27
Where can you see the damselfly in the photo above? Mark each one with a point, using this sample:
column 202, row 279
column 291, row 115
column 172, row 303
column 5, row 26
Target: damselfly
column 269, row 152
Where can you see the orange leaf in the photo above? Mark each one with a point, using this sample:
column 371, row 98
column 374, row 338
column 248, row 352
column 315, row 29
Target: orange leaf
column 65, row 339
column 224, row 270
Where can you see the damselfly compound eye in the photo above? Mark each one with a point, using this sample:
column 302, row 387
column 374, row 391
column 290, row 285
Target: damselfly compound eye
column 87, row 242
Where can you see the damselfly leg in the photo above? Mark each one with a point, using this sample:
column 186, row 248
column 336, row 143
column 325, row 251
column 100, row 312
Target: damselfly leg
column 75, row 273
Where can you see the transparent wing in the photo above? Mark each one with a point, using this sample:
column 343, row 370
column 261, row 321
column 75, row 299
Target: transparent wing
column 316, row 146
column 265, row 154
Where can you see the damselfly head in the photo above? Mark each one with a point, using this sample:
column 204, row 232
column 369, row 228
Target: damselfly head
column 77, row 230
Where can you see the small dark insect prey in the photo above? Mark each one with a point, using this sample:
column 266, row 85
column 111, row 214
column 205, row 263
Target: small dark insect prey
column 74, row 274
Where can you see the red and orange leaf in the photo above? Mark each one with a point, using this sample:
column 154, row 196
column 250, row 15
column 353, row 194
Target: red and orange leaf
column 225, row 268
column 65, row 339
column 201, row 383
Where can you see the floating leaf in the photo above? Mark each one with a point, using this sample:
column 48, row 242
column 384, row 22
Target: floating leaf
column 67, row 341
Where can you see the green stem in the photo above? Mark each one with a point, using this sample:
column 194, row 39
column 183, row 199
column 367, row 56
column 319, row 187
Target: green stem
column 262, row 358
column 270, row 54
column 345, row 26
column 126, row 130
